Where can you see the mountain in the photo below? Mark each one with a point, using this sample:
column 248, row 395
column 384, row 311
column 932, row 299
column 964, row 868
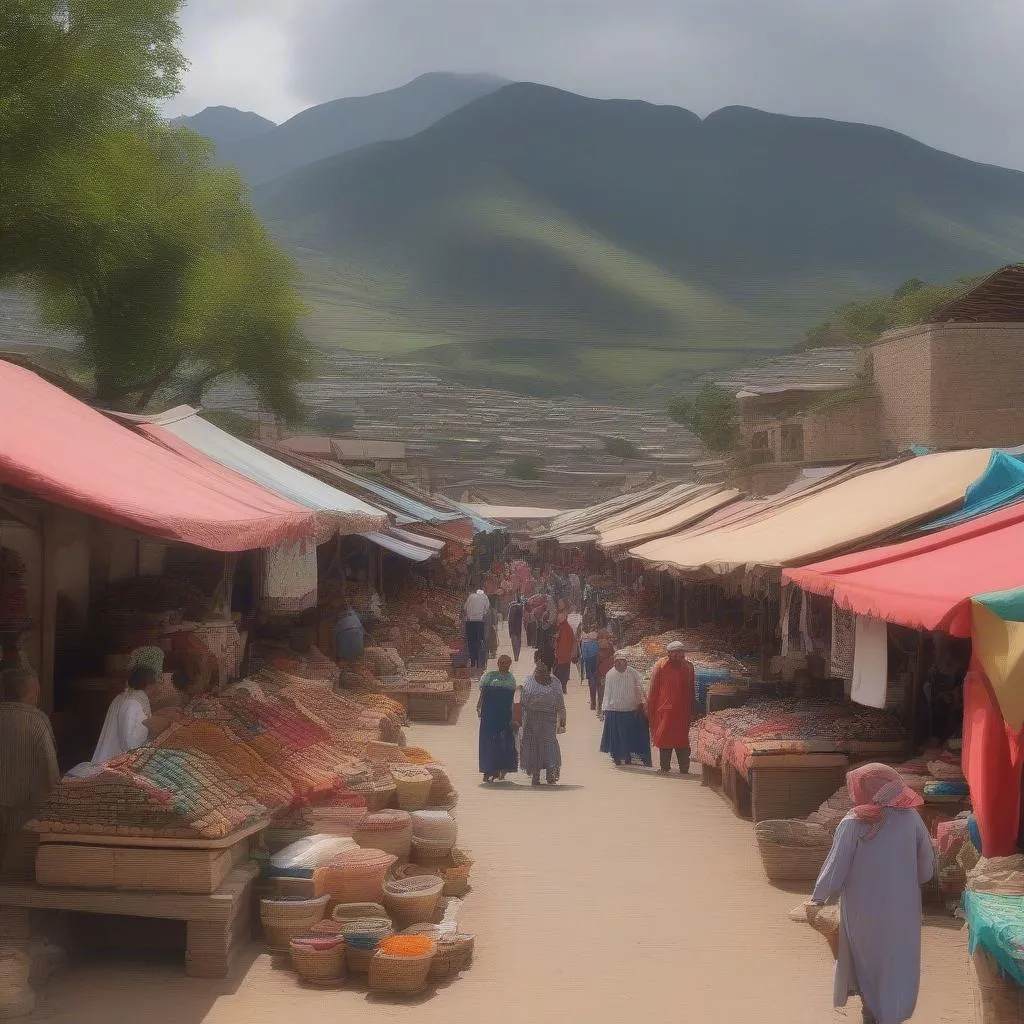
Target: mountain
column 547, row 241
column 225, row 125
column 342, row 125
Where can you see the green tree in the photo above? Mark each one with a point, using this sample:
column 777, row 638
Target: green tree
column 72, row 70
column 712, row 416
column 333, row 421
column 526, row 467
column 621, row 448
column 157, row 260
column 234, row 423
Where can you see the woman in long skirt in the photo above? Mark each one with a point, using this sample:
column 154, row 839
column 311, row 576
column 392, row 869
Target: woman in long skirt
column 543, row 718
column 626, row 735
column 881, row 856
column 497, row 737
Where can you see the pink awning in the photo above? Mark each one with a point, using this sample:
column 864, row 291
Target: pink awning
column 926, row 583
column 54, row 446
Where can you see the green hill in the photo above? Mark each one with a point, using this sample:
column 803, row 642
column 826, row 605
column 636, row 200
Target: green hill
column 540, row 240
column 346, row 124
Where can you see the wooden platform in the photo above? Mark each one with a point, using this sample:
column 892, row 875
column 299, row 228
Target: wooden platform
column 150, row 869
column 217, row 925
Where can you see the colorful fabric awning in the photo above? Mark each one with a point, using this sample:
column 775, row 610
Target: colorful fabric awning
column 186, row 433
column 58, row 448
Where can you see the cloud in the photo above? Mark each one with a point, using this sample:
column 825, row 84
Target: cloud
column 944, row 71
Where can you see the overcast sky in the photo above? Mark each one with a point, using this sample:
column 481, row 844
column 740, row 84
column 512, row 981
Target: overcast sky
column 948, row 72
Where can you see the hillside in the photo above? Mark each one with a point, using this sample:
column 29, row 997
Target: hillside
column 225, row 125
column 346, row 124
column 540, row 240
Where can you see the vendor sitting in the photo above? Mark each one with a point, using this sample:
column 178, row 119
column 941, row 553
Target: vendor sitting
column 349, row 635
column 28, row 758
column 130, row 720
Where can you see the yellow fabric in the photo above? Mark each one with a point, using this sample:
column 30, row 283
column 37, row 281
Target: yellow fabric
column 999, row 646
column 684, row 514
column 852, row 512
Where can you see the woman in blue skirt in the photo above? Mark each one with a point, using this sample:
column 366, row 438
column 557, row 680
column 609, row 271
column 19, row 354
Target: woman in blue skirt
column 626, row 735
column 498, row 754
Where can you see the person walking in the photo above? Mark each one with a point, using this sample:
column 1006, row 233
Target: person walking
column 543, row 705
column 516, row 611
column 589, row 654
column 565, row 646
column 625, row 735
column 476, row 613
column 497, row 743
column 670, row 706
column 880, row 857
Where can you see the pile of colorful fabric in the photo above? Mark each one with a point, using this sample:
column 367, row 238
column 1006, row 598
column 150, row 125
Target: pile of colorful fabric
column 792, row 726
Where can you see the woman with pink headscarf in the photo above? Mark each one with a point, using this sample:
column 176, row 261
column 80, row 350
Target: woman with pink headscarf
column 881, row 856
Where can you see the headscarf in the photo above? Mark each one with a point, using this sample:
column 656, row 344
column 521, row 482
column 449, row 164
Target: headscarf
column 873, row 787
column 147, row 657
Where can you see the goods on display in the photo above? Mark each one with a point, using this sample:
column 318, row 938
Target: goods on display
column 736, row 736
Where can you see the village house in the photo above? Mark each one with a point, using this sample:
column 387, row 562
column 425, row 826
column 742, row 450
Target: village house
column 954, row 382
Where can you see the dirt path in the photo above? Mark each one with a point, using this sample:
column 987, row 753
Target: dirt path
column 619, row 895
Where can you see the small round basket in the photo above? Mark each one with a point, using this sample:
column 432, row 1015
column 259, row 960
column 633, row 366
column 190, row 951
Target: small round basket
column 319, row 959
column 402, row 975
column 355, row 877
column 431, row 851
column 413, row 899
column 456, row 873
column 362, row 937
column 412, row 786
column 435, row 824
column 792, row 851
column 825, row 921
column 454, row 954
column 282, row 920
column 344, row 912
column 387, row 830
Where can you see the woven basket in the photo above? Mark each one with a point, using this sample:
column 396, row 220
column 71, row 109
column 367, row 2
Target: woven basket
column 400, row 975
column 384, row 753
column 825, row 921
column 345, row 912
column 361, row 940
column 431, row 851
column 792, row 850
column 456, row 874
column 413, row 899
column 282, row 920
column 434, row 824
column 387, row 830
column 454, row 954
column 355, row 877
column 417, row 755
column 321, row 963
column 997, row 1000
column 412, row 786
column 328, row 926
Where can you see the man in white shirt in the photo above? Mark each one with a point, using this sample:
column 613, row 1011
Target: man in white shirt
column 130, row 721
column 476, row 612
column 626, row 735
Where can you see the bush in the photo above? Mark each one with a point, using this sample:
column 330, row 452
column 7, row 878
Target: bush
column 526, row 467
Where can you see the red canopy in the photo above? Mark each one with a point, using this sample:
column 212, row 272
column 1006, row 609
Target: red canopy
column 926, row 583
column 56, row 447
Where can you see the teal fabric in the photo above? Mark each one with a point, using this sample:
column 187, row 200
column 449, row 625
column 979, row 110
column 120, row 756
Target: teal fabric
column 1007, row 604
column 1001, row 484
column 997, row 925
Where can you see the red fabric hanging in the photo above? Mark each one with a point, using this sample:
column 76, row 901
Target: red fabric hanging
column 993, row 762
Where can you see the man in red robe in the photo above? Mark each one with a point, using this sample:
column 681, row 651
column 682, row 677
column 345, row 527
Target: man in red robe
column 670, row 706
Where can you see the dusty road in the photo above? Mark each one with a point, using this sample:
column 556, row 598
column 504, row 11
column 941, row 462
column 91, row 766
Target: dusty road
column 617, row 896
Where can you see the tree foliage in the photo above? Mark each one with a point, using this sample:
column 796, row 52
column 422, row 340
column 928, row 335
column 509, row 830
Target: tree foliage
column 121, row 225
column 333, row 421
column 913, row 302
column 621, row 448
column 526, row 467
column 711, row 416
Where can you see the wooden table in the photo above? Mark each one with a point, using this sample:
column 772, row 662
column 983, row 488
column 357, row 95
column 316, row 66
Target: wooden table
column 217, row 925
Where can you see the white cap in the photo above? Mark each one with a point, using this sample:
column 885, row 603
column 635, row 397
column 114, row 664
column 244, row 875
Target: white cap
column 620, row 656
column 676, row 645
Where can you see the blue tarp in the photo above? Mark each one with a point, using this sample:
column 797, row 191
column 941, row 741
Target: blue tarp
column 1001, row 484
